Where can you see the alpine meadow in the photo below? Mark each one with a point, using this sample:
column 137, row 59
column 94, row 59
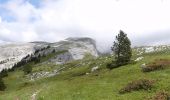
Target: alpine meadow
column 84, row 50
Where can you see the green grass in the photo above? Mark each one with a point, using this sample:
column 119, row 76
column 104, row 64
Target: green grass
column 74, row 84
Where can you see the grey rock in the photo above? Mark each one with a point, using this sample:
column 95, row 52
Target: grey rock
column 139, row 58
column 94, row 69
column 143, row 66
column 76, row 48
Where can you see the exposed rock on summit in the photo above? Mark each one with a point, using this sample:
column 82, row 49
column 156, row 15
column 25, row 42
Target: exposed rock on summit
column 70, row 49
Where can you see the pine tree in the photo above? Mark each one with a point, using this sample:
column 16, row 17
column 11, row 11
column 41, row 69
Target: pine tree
column 122, row 49
column 2, row 85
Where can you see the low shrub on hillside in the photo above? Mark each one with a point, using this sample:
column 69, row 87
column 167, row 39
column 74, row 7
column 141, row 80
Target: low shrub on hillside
column 2, row 85
column 137, row 85
column 152, row 67
column 27, row 69
column 163, row 95
column 111, row 66
column 4, row 73
column 158, row 64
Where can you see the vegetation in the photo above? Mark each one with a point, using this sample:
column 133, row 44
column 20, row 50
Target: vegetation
column 158, row 64
column 163, row 95
column 137, row 85
column 77, row 82
column 4, row 73
column 2, row 85
column 122, row 49
column 27, row 69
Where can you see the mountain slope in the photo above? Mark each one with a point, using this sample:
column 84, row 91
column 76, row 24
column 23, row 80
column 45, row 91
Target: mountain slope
column 76, row 49
column 77, row 81
column 72, row 70
column 13, row 53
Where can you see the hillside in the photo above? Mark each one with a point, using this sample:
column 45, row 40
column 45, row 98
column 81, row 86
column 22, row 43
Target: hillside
column 75, row 48
column 86, row 79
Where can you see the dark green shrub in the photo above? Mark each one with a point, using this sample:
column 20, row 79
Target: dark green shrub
column 2, row 85
column 54, row 51
column 111, row 66
column 137, row 85
column 48, row 46
column 4, row 73
column 27, row 69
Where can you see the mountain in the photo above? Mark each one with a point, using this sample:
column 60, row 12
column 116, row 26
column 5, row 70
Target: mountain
column 89, row 78
column 70, row 49
column 72, row 69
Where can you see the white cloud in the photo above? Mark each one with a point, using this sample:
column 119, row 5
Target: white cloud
column 22, row 11
column 99, row 19
column 0, row 19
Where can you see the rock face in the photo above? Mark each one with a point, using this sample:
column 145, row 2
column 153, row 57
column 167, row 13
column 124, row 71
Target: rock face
column 150, row 49
column 61, row 58
column 13, row 53
column 75, row 48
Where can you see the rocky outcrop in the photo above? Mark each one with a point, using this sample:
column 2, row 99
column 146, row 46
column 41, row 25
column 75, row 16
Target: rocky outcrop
column 139, row 58
column 74, row 49
column 61, row 58
column 77, row 48
column 13, row 53
column 149, row 49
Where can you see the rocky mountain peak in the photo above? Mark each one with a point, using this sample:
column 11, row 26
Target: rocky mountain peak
column 74, row 49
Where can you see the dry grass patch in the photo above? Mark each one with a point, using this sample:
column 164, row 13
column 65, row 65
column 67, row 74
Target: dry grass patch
column 158, row 64
column 163, row 95
column 137, row 85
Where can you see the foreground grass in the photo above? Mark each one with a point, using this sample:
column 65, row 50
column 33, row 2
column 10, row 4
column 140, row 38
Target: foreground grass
column 74, row 84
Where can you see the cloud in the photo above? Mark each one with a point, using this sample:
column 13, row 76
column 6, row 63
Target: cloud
column 145, row 21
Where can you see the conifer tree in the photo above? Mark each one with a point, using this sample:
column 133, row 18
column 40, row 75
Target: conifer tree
column 122, row 49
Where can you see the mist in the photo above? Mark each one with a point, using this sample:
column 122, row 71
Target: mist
column 146, row 22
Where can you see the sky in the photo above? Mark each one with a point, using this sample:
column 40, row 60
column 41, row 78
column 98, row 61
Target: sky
column 146, row 22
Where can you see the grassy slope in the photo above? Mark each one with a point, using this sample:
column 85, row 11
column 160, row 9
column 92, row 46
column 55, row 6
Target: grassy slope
column 103, row 84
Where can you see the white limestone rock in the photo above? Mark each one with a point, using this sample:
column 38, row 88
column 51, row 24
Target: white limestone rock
column 76, row 48
column 94, row 69
column 13, row 53
column 139, row 58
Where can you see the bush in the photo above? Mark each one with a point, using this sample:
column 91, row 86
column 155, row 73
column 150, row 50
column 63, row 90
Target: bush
column 4, row 73
column 27, row 69
column 156, row 65
column 114, row 65
column 137, row 85
column 2, row 85
column 161, row 96
column 48, row 46
column 152, row 67
column 111, row 66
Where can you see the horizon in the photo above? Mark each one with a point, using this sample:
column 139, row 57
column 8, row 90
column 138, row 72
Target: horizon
column 101, row 20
